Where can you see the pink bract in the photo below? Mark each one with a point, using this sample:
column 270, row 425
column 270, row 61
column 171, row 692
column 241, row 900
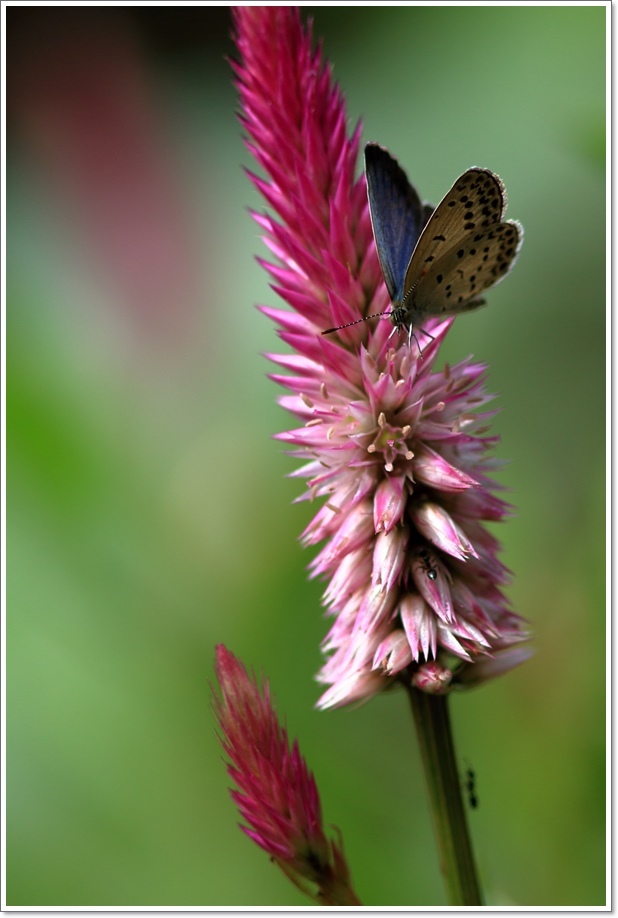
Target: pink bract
column 276, row 793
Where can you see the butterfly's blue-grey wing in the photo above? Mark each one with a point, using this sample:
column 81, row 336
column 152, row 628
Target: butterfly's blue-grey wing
column 397, row 216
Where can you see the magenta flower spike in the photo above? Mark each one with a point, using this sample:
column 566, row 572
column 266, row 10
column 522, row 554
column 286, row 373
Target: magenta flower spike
column 397, row 447
column 277, row 795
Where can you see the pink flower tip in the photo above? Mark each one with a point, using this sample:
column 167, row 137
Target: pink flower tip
column 276, row 793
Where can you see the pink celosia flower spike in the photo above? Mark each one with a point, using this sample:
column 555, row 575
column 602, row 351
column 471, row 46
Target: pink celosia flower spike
column 396, row 447
column 277, row 793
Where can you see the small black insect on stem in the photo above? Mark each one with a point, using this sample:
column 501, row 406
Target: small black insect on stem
column 470, row 785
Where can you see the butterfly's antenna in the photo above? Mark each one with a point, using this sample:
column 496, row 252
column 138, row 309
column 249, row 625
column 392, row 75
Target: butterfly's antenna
column 356, row 321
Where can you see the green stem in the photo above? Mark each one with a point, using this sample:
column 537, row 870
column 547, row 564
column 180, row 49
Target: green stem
column 450, row 825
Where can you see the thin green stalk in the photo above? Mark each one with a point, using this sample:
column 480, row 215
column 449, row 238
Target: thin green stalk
column 449, row 818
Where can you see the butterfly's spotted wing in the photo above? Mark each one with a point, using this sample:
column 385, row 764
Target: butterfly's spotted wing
column 476, row 202
column 454, row 282
column 463, row 249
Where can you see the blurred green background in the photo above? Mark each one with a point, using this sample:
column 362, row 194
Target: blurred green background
column 149, row 516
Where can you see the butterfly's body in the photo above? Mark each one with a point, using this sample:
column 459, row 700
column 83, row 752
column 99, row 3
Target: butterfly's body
column 437, row 262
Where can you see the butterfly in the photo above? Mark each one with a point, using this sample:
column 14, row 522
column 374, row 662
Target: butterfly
column 437, row 262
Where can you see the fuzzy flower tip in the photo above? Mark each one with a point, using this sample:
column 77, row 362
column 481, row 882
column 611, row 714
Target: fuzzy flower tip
column 277, row 794
column 398, row 448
